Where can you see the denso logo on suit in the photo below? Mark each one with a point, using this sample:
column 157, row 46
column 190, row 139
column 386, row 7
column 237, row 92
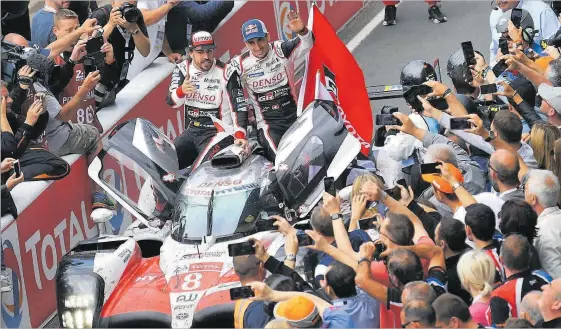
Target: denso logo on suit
column 268, row 81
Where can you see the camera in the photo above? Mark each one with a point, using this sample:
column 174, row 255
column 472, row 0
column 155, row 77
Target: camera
column 487, row 110
column 94, row 57
column 15, row 57
column 130, row 12
column 555, row 40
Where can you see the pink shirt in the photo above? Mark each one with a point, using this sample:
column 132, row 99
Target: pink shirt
column 478, row 311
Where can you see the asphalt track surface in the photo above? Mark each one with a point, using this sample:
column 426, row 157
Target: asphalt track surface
column 384, row 51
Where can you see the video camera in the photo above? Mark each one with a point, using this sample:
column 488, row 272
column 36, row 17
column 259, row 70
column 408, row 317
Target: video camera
column 94, row 57
column 130, row 12
column 15, row 57
column 488, row 109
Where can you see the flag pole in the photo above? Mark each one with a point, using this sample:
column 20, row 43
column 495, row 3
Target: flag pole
column 301, row 104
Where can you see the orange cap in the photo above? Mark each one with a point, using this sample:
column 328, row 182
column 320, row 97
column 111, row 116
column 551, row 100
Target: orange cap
column 297, row 309
column 440, row 183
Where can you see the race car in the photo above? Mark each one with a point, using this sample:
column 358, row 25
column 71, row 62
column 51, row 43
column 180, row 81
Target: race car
column 171, row 267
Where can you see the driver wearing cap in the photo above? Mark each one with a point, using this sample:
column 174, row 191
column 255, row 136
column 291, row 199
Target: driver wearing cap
column 212, row 100
column 264, row 70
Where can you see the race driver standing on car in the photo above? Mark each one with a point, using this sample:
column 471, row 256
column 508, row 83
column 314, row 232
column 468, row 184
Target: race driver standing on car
column 201, row 84
column 264, row 70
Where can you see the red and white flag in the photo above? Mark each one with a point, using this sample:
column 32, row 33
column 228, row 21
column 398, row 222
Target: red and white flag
column 331, row 68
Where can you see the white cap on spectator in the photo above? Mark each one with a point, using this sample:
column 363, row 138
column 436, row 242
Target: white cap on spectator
column 552, row 95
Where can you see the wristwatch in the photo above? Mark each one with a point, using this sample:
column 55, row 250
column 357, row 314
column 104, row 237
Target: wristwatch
column 336, row 216
column 456, row 186
column 290, row 257
column 364, row 259
column 135, row 32
column 491, row 137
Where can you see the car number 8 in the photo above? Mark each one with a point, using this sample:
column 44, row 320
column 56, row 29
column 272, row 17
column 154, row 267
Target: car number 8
column 192, row 281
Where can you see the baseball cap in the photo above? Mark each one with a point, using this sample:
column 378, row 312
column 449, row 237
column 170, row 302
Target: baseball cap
column 526, row 21
column 552, row 95
column 299, row 311
column 202, row 40
column 253, row 28
column 440, row 183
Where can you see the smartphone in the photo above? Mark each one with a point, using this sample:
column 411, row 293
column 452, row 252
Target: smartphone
column 304, row 240
column 94, row 44
column 367, row 223
column 241, row 293
column 503, row 45
column 469, row 54
column 516, row 17
column 17, row 168
column 241, row 249
column 430, row 168
column 394, row 192
column 438, row 103
column 380, row 248
column 329, row 185
column 265, row 223
column 402, row 182
column 488, row 89
column 387, row 120
column 459, row 123
column 499, row 68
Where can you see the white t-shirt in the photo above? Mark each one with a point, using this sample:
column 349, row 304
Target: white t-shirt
column 156, row 34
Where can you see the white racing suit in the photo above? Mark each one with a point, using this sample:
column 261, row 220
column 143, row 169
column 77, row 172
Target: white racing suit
column 218, row 96
column 268, row 82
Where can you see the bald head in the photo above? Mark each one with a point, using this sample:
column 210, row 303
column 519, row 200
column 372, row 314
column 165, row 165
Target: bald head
column 16, row 39
column 505, row 166
column 515, row 252
column 248, row 268
column 418, row 291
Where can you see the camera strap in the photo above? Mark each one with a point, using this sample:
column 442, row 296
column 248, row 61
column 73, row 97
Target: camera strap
column 129, row 51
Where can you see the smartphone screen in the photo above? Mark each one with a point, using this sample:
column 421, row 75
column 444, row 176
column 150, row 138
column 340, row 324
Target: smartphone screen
column 387, row 120
column 503, row 45
column 430, row 168
column 516, row 17
column 469, row 54
column 499, row 68
column 438, row 103
column 304, row 240
column 367, row 224
column 241, row 249
column 402, row 182
column 488, row 89
column 17, row 168
column 459, row 123
column 265, row 224
column 241, row 292
column 329, row 185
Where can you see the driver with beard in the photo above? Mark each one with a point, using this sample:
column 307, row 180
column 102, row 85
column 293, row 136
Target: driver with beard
column 264, row 70
column 212, row 100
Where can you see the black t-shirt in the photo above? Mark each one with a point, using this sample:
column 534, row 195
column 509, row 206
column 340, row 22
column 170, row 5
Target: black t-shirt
column 116, row 38
column 454, row 284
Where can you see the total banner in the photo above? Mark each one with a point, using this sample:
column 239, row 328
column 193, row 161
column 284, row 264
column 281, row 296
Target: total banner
column 59, row 217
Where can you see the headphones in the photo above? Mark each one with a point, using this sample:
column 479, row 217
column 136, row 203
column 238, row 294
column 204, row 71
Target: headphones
column 528, row 34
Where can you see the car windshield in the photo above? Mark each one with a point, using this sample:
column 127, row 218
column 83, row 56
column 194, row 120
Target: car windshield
column 218, row 212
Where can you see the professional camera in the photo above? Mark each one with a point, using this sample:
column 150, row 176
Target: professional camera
column 487, row 111
column 15, row 57
column 555, row 40
column 130, row 12
column 94, row 57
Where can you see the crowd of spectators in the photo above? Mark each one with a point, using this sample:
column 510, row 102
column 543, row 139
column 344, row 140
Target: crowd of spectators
column 476, row 243
column 83, row 55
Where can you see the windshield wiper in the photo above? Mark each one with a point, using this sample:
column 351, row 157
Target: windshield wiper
column 209, row 214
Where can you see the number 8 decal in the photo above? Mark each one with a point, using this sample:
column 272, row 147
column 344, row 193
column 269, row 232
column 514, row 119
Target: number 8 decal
column 192, row 281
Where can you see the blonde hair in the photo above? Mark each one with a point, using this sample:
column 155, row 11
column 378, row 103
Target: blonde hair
column 476, row 271
column 543, row 137
column 357, row 186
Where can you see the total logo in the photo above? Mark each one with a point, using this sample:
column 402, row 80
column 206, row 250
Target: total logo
column 12, row 301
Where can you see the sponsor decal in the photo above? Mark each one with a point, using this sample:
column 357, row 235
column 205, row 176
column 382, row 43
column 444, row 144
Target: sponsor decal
column 221, row 183
column 202, row 38
column 205, row 267
column 12, row 301
column 182, row 316
column 211, row 80
column 251, row 28
column 204, row 98
column 212, row 87
column 257, row 74
column 240, row 99
column 275, row 107
column 249, row 219
column 188, row 297
column 125, row 255
column 266, row 82
column 212, row 254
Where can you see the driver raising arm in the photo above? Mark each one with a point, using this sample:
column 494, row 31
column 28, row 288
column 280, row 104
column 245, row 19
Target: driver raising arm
column 265, row 74
column 202, row 86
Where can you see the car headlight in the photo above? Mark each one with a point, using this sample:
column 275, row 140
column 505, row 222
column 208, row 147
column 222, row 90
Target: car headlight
column 79, row 299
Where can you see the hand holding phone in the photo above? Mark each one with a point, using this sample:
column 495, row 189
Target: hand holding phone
column 367, row 223
column 503, row 45
column 17, row 168
column 500, row 67
column 488, row 89
column 304, row 240
column 241, row 293
column 469, row 53
column 241, row 249
column 265, row 223
column 387, row 120
column 329, row 185
column 516, row 17
column 459, row 123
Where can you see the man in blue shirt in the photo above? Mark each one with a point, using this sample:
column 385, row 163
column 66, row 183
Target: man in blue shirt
column 43, row 21
column 340, row 286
